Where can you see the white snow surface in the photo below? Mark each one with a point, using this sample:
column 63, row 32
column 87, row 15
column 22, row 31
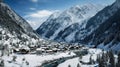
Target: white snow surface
column 73, row 62
column 34, row 60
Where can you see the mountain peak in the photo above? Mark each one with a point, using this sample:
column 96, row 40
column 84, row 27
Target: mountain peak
column 83, row 6
column 55, row 14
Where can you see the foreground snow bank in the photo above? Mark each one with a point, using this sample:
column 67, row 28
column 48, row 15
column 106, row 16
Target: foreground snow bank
column 91, row 52
column 75, row 61
column 34, row 60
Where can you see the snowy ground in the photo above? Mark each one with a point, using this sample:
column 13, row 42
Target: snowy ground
column 37, row 60
column 73, row 62
column 34, row 60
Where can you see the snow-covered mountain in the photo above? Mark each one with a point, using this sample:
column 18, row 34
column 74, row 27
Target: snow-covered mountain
column 105, row 28
column 99, row 18
column 14, row 29
column 58, row 25
column 86, row 24
column 102, row 30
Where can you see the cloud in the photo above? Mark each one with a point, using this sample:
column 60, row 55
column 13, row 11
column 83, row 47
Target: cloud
column 32, row 8
column 41, row 13
column 35, row 1
column 35, row 19
column 36, row 22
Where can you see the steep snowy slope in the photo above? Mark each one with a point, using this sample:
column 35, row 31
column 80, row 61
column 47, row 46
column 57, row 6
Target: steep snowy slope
column 58, row 22
column 99, row 19
column 107, row 35
column 14, row 28
column 79, row 32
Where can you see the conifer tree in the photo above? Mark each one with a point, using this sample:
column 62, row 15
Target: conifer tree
column 78, row 65
column 112, row 60
column 69, row 66
column 2, row 63
column 90, row 60
column 118, row 60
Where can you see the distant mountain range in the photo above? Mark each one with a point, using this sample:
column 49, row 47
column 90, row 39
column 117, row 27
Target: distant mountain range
column 88, row 24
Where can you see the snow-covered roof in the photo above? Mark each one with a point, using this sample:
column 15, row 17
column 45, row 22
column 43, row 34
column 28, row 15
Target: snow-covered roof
column 39, row 49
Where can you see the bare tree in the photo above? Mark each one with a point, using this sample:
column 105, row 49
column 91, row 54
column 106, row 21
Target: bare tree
column 69, row 66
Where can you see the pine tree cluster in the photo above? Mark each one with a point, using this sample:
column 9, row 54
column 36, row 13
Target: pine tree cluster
column 107, row 59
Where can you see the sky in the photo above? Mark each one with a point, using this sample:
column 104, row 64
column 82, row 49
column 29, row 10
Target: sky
column 37, row 11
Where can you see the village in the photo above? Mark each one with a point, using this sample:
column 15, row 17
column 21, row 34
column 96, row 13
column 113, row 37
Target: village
column 47, row 49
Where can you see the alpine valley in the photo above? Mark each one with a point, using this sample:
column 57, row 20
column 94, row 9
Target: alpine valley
column 81, row 36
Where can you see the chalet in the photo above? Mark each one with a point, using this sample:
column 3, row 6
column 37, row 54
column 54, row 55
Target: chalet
column 45, row 48
column 22, row 50
column 15, row 50
column 49, row 51
column 55, row 49
column 40, row 51
column 32, row 47
column 71, row 48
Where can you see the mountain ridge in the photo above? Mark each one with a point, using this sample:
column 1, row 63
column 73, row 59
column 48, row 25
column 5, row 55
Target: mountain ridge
column 69, row 17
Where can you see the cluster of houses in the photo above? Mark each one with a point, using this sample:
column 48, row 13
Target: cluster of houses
column 51, row 49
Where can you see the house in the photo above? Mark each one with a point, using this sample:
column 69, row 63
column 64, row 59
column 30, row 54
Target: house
column 54, row 49
column 49, row 51
column 22, row 50
column 32, row 47
column 40, row 51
